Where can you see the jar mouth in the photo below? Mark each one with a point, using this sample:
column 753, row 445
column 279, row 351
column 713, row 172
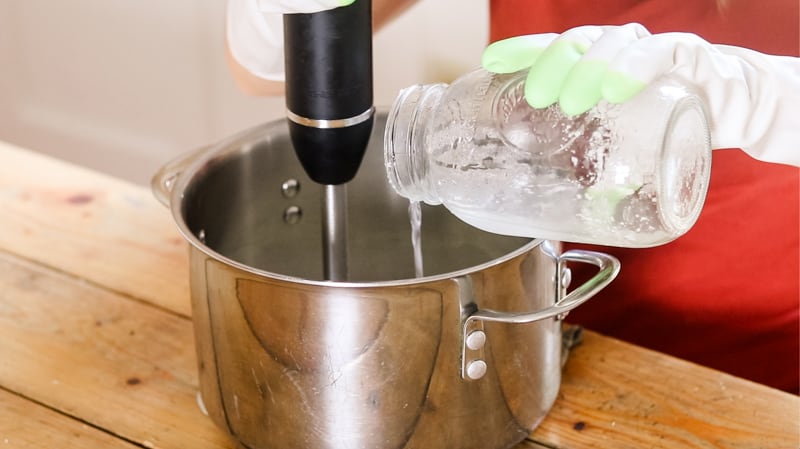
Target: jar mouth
column 404, row 142
column 685, row 165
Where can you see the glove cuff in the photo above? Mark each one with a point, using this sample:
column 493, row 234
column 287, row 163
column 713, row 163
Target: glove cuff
column 255, row 39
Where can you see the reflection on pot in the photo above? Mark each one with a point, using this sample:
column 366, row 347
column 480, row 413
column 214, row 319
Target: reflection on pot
column 468, row 356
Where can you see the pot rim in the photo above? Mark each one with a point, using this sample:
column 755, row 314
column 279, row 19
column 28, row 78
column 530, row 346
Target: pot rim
column 242, row 142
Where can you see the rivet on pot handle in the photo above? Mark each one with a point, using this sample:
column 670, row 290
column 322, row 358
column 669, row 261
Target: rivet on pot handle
column 608, row 270
column 164, row 179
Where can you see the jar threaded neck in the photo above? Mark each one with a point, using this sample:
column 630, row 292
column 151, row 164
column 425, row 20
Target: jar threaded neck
column 405, row 142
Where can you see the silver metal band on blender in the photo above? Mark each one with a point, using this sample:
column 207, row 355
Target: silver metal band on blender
column 331, row 124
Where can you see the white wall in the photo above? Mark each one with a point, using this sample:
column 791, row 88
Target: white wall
column 123, row 86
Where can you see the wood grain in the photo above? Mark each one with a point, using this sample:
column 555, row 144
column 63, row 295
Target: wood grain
column 25, row 424
column 96, row 227
column 110, row 361
column 615, row 394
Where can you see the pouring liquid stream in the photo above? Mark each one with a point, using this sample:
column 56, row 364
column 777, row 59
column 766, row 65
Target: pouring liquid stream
column 415, row 218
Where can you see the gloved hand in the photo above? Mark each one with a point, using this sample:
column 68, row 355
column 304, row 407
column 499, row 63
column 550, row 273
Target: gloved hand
column 753, row 98
column 254, row 31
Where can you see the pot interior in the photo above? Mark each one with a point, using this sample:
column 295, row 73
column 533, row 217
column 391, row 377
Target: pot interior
column 251, row 202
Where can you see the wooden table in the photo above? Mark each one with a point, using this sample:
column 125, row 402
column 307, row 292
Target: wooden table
column 96, row 344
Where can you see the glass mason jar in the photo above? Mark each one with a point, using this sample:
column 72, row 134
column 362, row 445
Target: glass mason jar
column 633, row 174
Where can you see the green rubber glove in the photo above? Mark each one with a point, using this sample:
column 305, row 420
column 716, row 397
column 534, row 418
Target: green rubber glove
column 571, row 68
column 753, row 99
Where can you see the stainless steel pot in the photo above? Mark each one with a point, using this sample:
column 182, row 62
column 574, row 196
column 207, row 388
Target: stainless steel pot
column 468, row 356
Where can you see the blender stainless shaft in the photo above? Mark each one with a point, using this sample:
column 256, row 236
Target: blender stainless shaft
column 330, row 111
column 334, row 232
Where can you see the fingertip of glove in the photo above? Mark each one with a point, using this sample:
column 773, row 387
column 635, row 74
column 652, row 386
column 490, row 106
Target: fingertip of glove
column 619, row 87
column 576, row 105
column 547, row 76
column 581, row 90
column 512, row 54
column 491, row 63
column 539, row 96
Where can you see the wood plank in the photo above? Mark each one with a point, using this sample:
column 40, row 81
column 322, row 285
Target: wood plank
column 93, row 226
column 115, row 363
column 534, row 444
column 26, row 424
column 615, row 394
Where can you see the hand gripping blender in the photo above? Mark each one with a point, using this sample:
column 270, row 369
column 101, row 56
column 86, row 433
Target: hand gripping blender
column 330, row 109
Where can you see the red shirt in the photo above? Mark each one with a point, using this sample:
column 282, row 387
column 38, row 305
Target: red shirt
column 726, row 294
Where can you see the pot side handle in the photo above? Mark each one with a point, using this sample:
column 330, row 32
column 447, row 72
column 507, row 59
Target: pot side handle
column 473, row 368
column 165, row 178
column 608, row 270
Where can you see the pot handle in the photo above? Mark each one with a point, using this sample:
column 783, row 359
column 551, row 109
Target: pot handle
column 164, row 179
column 473, row 367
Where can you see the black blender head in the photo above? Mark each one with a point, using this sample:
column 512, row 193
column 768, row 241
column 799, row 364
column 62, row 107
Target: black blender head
column 329, row 89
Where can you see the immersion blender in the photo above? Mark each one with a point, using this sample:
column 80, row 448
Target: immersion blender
column 330, row 109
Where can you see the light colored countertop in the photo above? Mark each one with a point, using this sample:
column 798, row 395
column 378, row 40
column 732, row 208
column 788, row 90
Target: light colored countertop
column 97, row 348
